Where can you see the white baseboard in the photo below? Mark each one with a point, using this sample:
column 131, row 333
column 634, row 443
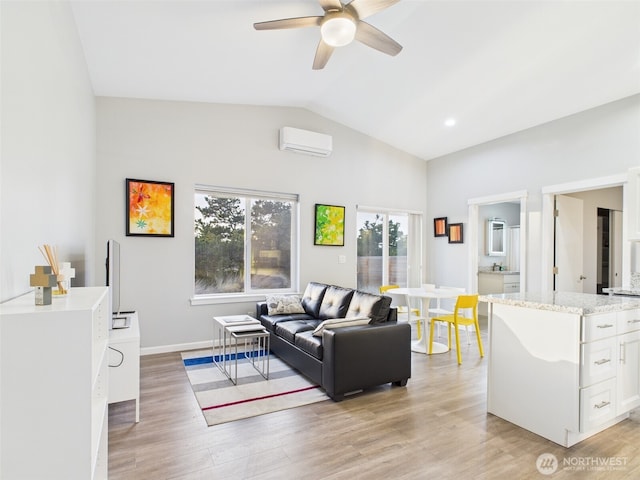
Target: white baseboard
column 179, row 347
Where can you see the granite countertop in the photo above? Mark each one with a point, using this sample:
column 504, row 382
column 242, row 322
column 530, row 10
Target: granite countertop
column 500, row 272
column 622, row 291
column 579, row 303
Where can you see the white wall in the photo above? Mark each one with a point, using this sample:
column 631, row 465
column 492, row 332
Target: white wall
column 596, row 143
column 233, row 146
column 47, row 174
column 47, row 156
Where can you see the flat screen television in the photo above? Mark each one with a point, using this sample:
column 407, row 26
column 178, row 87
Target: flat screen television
column 113, row 279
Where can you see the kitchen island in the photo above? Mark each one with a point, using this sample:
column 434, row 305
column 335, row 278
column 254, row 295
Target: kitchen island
column 563, row 365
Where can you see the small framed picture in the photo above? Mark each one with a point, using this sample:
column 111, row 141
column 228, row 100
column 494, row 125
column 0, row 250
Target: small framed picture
column 455, row 233
column 440, row 227
column 329, row 225
column 149, row 208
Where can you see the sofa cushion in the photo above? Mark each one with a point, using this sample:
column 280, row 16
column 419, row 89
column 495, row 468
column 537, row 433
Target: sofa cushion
column 270, row 321
column 306, row 342
column 312, row 298
column 279, row 304
column 339, row 323
column 335, row 302
column 288, row 330
column 364, row 304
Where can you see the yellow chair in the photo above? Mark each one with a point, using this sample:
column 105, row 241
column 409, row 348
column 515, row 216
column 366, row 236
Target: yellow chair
column 464, row 302
column 402, row 309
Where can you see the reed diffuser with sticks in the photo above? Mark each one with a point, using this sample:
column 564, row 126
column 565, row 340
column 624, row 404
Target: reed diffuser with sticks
column 50, row 254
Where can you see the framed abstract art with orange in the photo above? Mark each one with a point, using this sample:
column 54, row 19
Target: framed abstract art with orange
column 149, row 208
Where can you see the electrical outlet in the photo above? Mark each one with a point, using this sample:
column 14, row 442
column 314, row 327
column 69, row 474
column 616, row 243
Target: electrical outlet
column 342, row 259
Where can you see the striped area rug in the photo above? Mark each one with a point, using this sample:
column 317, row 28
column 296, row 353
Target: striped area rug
column 221, row 401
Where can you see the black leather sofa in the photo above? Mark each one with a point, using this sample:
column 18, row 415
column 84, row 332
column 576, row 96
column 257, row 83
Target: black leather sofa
column 346, row 359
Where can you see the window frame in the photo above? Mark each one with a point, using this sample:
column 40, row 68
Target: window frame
column 247, row 196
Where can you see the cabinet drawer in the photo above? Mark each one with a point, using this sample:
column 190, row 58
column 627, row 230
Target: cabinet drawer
column 598, row 361
column 597, row 404
column 595, row 327
column 628, row 321
column 511, row 287
column 511, row 278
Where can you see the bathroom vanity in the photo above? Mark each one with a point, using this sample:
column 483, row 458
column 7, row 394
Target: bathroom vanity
column 563, row 365
column 503, row 281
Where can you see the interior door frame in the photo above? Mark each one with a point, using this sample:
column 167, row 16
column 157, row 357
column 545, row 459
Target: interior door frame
column 548, row 197
column 474, row 228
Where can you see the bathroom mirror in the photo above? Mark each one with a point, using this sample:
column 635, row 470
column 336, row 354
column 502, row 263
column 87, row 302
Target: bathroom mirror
column 496, row 237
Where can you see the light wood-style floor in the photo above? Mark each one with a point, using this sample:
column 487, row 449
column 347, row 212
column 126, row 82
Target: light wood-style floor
column 436, row 427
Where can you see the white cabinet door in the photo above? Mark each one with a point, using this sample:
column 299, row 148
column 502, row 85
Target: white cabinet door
column 490, row 283
column 628, row 372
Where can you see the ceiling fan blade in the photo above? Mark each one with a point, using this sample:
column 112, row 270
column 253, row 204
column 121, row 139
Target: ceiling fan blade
column 374, row 38
column 366, row 8
column 330, row 5
column 323, row 53
column 288, row 23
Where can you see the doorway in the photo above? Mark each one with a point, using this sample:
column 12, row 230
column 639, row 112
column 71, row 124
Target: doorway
column 604, row 193
column 477, row 230
column 587, row 249
column 609, row 249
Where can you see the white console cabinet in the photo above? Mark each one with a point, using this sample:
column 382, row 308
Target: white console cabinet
column 124, row 363
column 54, row 386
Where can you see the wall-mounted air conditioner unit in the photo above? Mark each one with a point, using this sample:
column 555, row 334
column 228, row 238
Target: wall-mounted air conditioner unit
column 304, row 141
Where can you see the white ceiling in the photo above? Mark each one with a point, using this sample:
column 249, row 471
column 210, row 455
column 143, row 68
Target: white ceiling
column 497, row 67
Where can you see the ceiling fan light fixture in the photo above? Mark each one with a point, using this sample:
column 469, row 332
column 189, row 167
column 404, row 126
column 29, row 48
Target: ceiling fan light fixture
column 338, row 30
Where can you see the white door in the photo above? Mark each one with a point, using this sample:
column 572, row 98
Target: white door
column 569, row 274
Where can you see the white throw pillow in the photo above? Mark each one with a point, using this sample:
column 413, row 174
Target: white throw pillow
column 283, row 304
column 340, row 322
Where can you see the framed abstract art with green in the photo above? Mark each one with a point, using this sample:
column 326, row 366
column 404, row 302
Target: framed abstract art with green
column 329, row 223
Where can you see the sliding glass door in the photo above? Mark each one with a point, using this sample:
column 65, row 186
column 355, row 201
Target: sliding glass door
column 388, row 249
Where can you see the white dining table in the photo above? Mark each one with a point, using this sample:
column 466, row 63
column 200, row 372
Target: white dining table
column 425, row 296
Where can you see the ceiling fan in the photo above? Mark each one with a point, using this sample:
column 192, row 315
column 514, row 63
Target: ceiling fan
column 340, row 24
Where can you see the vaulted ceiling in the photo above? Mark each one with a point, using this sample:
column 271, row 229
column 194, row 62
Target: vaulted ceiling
column 496, row 67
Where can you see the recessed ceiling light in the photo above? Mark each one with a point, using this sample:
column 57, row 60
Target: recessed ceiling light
column 450, row 122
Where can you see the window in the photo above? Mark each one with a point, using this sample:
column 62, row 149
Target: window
column 245, row 241
column 389, row 249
